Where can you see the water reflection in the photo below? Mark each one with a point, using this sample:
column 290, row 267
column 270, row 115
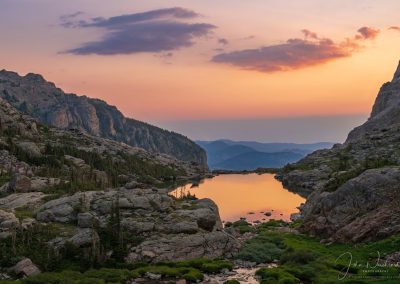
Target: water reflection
column 251, row 196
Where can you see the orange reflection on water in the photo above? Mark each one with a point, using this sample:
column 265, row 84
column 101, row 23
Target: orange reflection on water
column 248, row 196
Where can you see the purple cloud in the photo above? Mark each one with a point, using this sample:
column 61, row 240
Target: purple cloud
column 153, row 31
column 367, row 33
column 223, row 41
column 295, row 53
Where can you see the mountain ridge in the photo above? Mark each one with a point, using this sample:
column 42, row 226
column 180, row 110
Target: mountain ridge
column 254, row 160
column 41, row 99
column 226, row 154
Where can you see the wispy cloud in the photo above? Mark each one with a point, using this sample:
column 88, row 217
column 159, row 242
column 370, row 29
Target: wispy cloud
column 367, row 33
column 296, row 53
column 223, row 41
column 152, row 31
column 68, row 20
column 395, row 28
column 309, row 34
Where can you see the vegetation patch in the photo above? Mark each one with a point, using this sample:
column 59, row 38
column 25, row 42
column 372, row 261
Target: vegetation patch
column 24, row 212
column 303, row 259
column 242, row 226
column 26, row 243
column 4, row 178
column 192, row 271
column 233, row 281
column 263, row 248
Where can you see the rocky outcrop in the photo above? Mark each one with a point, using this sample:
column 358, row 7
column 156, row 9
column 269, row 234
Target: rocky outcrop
column 364, row 208
column 42, row 100
column 171, row 232
column 8, row 224
column 352, row 189
column 21, row 183
column 18, row 200
column 183, row 247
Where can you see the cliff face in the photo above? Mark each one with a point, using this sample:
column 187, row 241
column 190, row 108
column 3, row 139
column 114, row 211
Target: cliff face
column 33, row 95
column 352, row 190
column 385, row 112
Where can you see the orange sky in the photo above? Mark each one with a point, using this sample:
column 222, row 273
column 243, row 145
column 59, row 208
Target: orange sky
column 188, row 85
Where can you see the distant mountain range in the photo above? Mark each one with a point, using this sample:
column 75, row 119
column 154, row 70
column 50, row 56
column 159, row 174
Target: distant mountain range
column 250, row 155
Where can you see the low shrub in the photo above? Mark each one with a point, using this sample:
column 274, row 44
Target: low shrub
column 243, row 226
column 64, row 277
column 276, row 275
column 111, row 275
column 273, row 223
column 300, row 256
column 187, row 273
column 216, row 266
column 262, row 249
column 233, row 281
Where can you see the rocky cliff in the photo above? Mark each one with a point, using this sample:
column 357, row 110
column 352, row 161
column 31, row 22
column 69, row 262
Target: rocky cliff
column 85, row 198
column 385, row 112
column 353, row 189
column 33, row 95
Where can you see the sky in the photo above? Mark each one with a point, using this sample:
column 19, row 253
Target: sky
column 267, row 70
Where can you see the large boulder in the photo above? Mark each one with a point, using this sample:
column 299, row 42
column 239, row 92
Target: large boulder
column 25, row 268
column 41, row 183
column 20, row 183
column 364, row 208
column 8, row 223
column 84, row 237
column 185, row 247
column 18, row 200
column 30, row 148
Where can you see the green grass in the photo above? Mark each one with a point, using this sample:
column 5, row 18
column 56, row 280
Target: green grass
column 192, row 271
column 24, row 212
column 262, row 248
column 101, row 276
column 233, row 281
column 187, row 273
column 26, row 243
column 304, row 259
column 4, row 178
column 242, row 226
